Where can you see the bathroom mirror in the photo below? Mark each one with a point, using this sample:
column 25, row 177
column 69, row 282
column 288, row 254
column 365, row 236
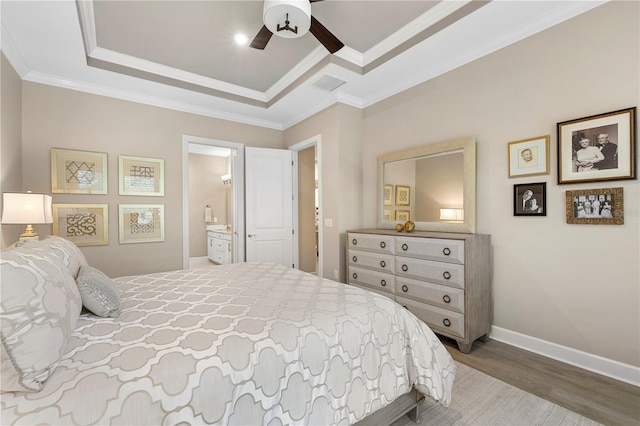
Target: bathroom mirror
column 433, row 185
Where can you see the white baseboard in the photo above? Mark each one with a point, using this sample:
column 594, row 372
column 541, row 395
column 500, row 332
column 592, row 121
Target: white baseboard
column 607, row 367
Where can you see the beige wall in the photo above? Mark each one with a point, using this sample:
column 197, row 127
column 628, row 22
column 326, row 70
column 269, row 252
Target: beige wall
column 339, row 128
column 11, row 148
column 206, row 188
column 306, row 210
column 574, row 285
column 61, row 118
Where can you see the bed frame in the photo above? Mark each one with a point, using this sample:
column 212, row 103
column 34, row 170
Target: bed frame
column 408, row 403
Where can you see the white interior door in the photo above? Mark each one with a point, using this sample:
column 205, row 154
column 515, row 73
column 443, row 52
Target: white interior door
column 269, row 205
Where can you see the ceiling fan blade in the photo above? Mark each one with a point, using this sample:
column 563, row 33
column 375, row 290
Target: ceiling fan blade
column 262, row 38
column 313, row 1
column 324, row 36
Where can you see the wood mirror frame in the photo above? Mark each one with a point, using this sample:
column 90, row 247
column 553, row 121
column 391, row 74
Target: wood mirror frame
column 466, row 146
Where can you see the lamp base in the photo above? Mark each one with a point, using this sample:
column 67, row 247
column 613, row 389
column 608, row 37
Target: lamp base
column 29, row 234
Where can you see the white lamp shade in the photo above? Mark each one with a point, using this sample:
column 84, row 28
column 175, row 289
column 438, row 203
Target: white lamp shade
column 275, row 13
column 452, row 214
column 26, row 208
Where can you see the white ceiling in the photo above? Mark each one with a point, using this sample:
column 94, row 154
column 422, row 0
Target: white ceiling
column 180, row 54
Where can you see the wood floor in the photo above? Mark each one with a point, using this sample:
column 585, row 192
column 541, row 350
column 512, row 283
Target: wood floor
column 599, row 398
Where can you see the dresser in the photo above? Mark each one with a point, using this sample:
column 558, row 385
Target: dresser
column 442, row 278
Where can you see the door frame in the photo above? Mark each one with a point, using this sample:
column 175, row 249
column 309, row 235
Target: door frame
column 237, row 166
column 300, row 146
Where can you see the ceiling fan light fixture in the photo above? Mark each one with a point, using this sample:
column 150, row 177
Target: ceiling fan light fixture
column 276, row 13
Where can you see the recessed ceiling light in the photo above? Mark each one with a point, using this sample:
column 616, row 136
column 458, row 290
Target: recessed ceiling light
column 241, row 39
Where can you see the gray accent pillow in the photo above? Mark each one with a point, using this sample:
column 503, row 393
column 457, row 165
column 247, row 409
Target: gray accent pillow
column 99, row 292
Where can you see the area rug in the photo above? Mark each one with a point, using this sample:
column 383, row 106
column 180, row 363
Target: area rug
column 479, row 399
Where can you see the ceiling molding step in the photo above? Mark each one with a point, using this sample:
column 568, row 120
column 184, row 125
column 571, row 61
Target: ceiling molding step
column 12, row 53
column 127, row 95
column 87, row 20
column 317, row 55
column 351, row 55
column 432, row 16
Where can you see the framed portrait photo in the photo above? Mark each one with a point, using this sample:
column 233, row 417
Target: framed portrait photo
column 83, row 224
column 528, row 157
column 141, row 223
column 595, row 206
column 598, row 148
column 141, row 176
column 78, row 172
column 403, row 195
column 530, row 199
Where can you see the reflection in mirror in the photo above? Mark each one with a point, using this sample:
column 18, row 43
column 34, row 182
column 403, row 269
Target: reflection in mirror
column 433, row 185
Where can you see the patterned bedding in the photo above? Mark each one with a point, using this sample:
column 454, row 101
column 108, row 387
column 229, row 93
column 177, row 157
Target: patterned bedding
column 244, row 344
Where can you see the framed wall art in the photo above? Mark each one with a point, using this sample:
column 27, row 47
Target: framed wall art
column 530, row 199
column 83, row 224
column 388, row 195
column 141, row 223
column 529, row 157
column 78, row 172
column 595, row 206
column 403, row 195
column 403, row 215
column 389, row 214
column 597, row 148
column 141, row 176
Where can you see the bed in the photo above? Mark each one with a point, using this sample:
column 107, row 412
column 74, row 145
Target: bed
column 245, row 343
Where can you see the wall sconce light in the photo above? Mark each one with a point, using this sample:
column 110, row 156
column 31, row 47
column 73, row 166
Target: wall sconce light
column 452, row 215
column 26, row 209
column 226, row 179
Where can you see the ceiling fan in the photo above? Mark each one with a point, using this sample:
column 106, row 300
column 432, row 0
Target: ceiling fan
column 292, row 19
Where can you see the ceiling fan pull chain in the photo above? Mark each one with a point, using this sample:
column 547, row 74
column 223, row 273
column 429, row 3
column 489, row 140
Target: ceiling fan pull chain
column 287, row 27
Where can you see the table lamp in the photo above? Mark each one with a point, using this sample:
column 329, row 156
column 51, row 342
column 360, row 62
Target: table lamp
column 26, row 209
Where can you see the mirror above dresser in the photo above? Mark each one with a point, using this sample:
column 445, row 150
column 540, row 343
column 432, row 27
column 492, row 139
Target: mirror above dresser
column 433, row 185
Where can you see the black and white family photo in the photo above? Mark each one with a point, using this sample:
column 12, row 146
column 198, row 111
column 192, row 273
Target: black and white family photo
column 530, row 199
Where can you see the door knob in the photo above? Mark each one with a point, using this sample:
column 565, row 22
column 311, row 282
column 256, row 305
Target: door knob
column 252, row 235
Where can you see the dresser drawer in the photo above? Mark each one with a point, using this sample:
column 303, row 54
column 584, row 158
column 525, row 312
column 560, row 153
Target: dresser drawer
column 451, row 251
column 434, row 294
column 426, row 270
column 371, row 279
column 374, row 290
column 377, row 243
column 378, row 261
column 438, row 319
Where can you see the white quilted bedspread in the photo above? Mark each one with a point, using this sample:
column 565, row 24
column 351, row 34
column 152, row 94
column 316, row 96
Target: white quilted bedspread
column 244, row 344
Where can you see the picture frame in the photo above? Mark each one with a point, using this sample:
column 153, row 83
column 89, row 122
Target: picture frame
column 609, row 209
column 82, row 224
column 389, row 214
column 140, row 223
column 78, row 172
column 140, row 176
column 529, row 157
column 388, row 195
column 609, row 154
column 403, row 195
column 530, row 199
column 403, row 215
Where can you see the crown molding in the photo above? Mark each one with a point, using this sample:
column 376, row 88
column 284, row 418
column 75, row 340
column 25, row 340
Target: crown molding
column 12, row 53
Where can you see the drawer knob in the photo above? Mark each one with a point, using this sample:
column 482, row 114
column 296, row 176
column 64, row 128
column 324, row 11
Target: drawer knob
column 446, row 322
column 405, row 268
column 383, row 244
column 446, row 251
column 355, row 276
column 446, row 275
column 446, row 298
column 405, row 247
column 354, row 258
column 383, row 263
column 383, row 283
column 405, row 288
column 354, row 242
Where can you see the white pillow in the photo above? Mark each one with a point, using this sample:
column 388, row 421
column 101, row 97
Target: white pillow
column 99, row 292
column 40, row 305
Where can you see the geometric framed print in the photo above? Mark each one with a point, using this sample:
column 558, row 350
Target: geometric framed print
column 141, row 176
column 78, row 172
column 141, row 223
column 83, row 224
